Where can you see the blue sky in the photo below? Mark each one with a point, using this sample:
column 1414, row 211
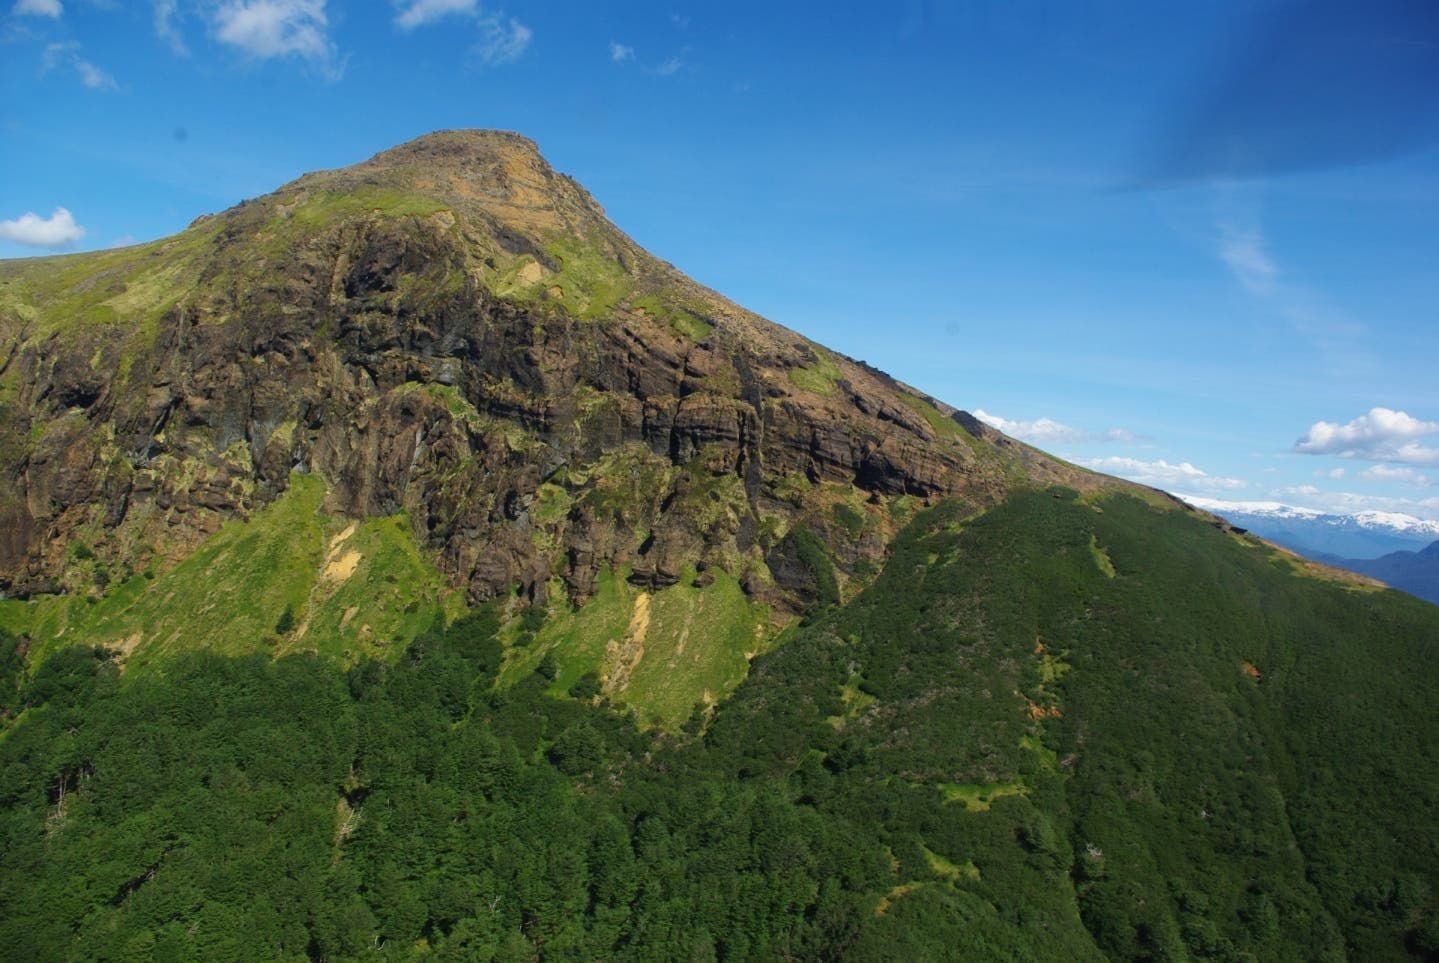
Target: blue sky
column 1194, row 245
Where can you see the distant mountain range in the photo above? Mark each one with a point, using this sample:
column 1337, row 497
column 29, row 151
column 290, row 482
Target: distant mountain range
column 1399, row 550
column 1414, row 572
column 1362, row 535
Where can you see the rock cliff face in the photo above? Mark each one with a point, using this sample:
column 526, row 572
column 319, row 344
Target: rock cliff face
column 454, row 330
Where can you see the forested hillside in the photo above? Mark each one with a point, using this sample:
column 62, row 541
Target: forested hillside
column 1065, row 727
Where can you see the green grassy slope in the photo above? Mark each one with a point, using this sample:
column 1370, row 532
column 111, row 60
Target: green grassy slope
column 291, row 578
column 662, row 654
column 1062, row 729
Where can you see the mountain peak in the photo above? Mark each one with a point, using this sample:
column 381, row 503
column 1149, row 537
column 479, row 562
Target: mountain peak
column 497, row 173
column 488, row 158
column 458, row 144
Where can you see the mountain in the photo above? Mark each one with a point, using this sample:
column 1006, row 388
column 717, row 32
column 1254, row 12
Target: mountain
column 1361, row 535
column 1414, row 572
column 453, row 333
column 406, row 564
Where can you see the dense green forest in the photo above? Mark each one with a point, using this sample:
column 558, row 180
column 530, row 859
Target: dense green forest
column 1065, row 728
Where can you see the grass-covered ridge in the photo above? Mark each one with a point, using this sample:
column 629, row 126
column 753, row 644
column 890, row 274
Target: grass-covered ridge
column 310, row 211
column 134, row 284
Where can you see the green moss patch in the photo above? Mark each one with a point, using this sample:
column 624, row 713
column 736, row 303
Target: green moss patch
column 978, row 797
column 820, row 376
column 1101, row 557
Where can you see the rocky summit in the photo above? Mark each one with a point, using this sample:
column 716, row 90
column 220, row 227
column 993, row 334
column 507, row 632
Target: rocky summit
column 454, row 330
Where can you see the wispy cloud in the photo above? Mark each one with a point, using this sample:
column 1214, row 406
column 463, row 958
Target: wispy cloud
column 1381, row 434
column 269, row 29
column 1243, row 250
column 55, row 232
column 620, row 52
column 669, row 67
column 1047, row 431
column 166, row 13
column 1242, row 245
column 68, row 55
column 93, row 77
column 1163, row 474
column 417, row 13
column 1397, row 473
column 503, row 40
column 39, row 8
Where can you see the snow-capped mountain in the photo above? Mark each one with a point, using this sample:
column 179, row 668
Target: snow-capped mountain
column 1311, row 532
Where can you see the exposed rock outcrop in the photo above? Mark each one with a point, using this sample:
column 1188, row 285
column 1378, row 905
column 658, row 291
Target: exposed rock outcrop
column 454, row 330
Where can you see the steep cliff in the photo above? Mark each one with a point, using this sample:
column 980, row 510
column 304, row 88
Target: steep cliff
column 453, row 330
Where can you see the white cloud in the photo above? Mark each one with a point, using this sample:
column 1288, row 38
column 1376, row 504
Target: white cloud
column 39, row 8
column 1163, row 474
column 57, row 231
column 1047, row 431
column 1243, row 251
column 68, row 54
column 1409, row 476
column 1039, row 431
column 265, row 29
column 417, row 13
column 670, row 67
column 503, row 40
column 620, row 52
column 93, row 77
column 1380, row 435
column 124, row 240
column 1416, row 454
column 165, row 29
